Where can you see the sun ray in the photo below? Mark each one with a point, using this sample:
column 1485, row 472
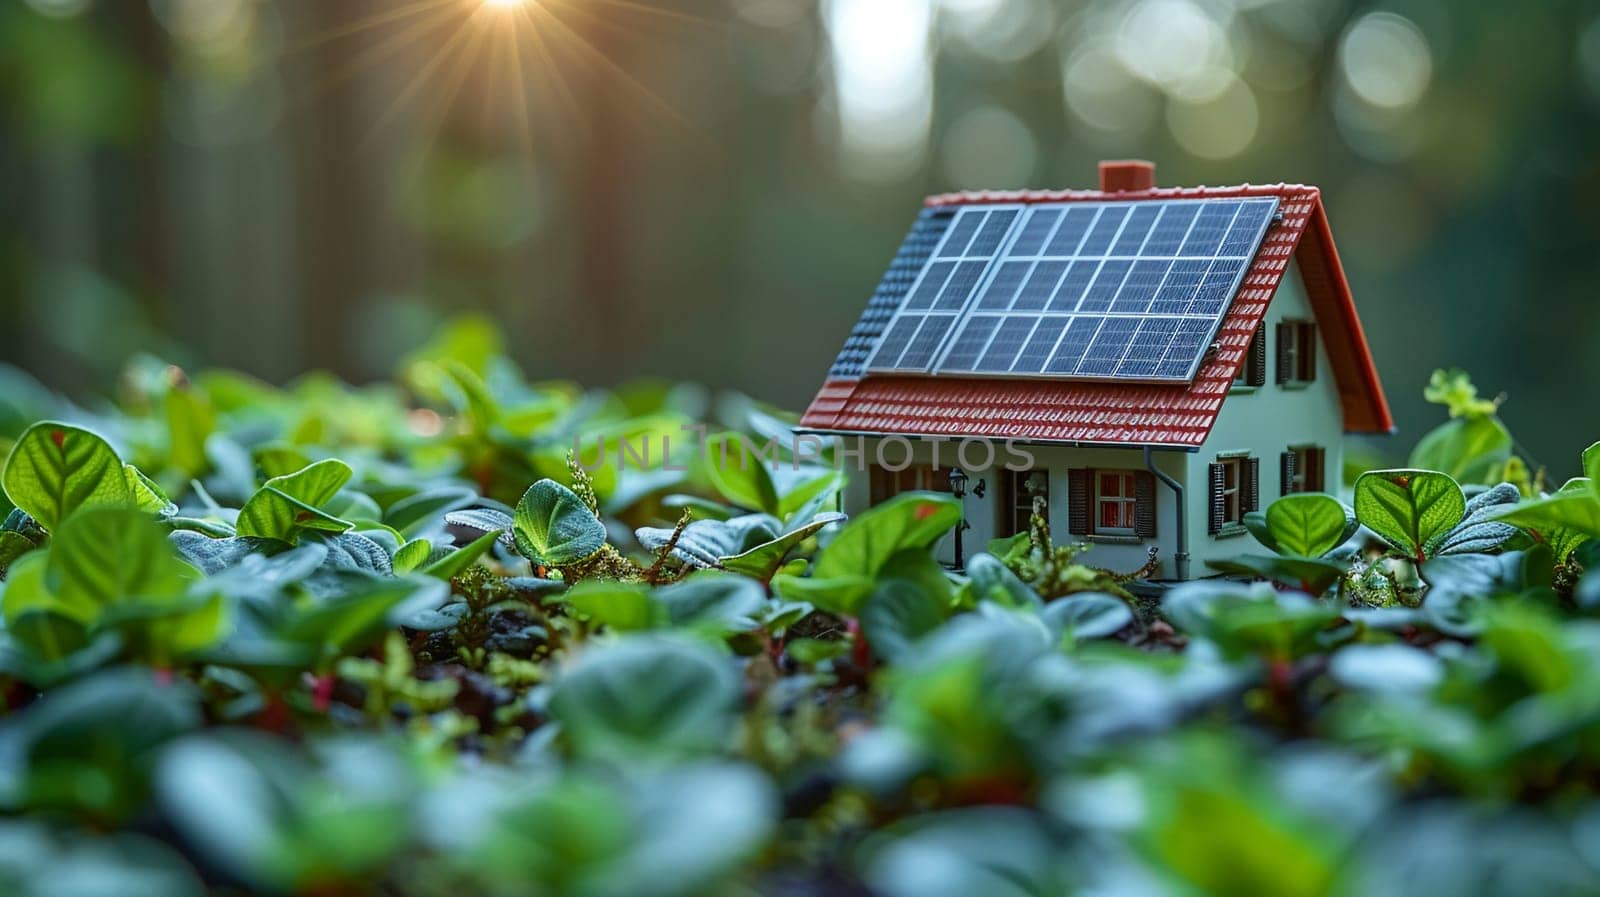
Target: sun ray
column 367, row 23
column 594, row 55
column 422, row 76
column 529, row 54
column 523, row 100
column 390, row 45
column 552, row 68
column 454, row 79
column 652, row 11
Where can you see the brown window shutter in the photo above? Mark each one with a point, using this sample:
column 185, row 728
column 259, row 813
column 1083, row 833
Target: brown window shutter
column 1144, row 504
column 1218, row 483
column 1308, row 353
column 1078, row 515
column 1257, row 375
column 1250, row 488
column 1284, row 334
column 1286, row 473
column 1317, row 461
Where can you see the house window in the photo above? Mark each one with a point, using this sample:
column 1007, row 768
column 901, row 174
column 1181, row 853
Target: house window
column 1235, row 492
column 1253, row 372
column 884, row 484
column 1022, row 486
column 1113, row 504
column 1303, row 469
column 1297, row 352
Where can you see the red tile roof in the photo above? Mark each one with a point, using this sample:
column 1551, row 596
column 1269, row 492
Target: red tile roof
column 1064, row 411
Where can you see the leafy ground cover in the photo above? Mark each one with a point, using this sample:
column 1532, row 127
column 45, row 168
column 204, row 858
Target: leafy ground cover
column 396, row 639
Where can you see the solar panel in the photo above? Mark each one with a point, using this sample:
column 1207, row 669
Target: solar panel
column 1089, row 290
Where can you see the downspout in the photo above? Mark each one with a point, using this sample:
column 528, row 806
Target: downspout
column 1180, row 558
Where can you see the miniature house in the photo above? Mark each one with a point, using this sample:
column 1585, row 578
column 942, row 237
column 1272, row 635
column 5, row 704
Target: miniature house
column 1154, row 363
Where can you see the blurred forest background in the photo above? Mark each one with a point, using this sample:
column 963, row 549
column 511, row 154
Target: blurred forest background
column 710, row 189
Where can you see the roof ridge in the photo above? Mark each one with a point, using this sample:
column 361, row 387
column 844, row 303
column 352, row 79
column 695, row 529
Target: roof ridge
column 1070, row 194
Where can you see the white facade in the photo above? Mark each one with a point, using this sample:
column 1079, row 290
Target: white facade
column 1259, row 422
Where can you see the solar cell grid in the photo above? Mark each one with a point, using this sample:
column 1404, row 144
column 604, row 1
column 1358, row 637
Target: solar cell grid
column 1092, row 290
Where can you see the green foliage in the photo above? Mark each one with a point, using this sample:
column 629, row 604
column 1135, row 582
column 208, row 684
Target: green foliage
column 288, row 504
column 55, row 469
column 370, row 674
column 646, row 700
column 1308, row 524
column 1412, row 510
column 1258, row 621
column 553, row 526
column 1453, row 389
column 1567, row 518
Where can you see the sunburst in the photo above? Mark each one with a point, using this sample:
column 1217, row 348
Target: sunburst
column 528, row 59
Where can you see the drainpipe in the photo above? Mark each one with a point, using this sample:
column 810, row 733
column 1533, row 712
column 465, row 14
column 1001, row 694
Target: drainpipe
column 1180, row 558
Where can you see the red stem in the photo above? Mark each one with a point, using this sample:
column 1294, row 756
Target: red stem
column 322, row 693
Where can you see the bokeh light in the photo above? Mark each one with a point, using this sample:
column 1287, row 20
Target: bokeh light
column 989, row 148
column 883, row 83
column 1385, row 59
column 1217, row 127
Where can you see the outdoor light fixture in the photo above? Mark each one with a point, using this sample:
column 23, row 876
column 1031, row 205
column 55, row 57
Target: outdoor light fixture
column 958, row 488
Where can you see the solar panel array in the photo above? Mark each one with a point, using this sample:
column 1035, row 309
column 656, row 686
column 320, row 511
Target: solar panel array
column 1090, row 290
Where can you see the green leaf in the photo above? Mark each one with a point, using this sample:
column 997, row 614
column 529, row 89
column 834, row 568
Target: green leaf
column 1409, row 508
column 1249, row 620
column 1313, row 575
column 712, row 600
column 764, row 560
column 813, row 493
column 988, row 579
column 355, row 617
column 147, row 494
column 1453, row 389
column 1471, row 449
column 1256, row 523
column 13, row 546
column 89, row 745
column 412, row 555
column 625, row 607
column 740, row 474
column 56, row 468
column 705, row 543
column 1591, row 467
column 911, row 520
column 1309, row 524
column 554, row 528
column 1086, row 615
column 1564, row 519
column 190, row 421
column 1386, row 669
column 470, row 394
column 279, row 460
column 103, row 556
column 841, row 595
column 456, row 562
column 411, row 514
column 897, row 614
column 287, row 504
column 27, row 593
column 647, row 700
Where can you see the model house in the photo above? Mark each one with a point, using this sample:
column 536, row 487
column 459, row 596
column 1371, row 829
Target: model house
column 1154, row 362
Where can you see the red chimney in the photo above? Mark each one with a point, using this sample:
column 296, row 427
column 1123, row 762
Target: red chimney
column 1125, row 175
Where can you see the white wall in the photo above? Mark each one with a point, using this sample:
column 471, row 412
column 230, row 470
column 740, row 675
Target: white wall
column 1265, row 421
